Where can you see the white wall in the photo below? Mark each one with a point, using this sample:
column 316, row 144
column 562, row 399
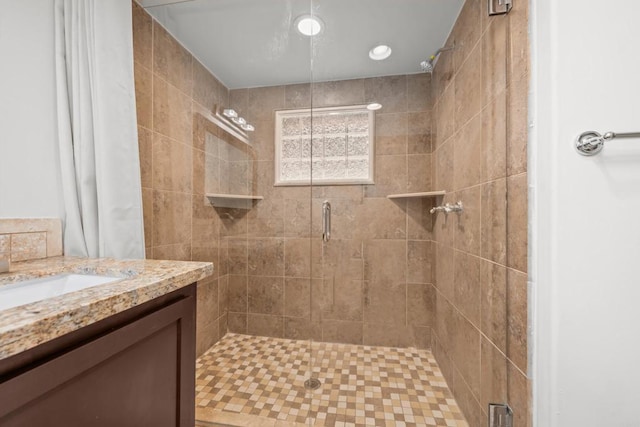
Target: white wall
column 29, row 174
column 586, row 212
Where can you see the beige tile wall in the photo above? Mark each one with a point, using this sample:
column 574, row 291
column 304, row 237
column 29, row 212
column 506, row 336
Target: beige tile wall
column 391, row 275
column 173, row 92
column 372, row 283
column 23, row 239
column 480, row 146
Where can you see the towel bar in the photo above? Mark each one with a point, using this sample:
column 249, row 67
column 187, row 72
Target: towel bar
column 591, row 143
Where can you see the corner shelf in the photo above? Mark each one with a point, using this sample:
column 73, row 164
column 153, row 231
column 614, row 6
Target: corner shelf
column 238, row 201
column 417, row 195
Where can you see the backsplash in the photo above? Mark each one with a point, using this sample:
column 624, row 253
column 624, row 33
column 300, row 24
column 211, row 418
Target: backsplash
column 23, row 239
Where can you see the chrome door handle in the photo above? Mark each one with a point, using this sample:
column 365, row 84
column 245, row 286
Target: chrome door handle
column 326, row 221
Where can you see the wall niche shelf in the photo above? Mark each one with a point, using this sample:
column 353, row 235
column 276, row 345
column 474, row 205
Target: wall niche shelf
column 237, row 201
column 417, row 195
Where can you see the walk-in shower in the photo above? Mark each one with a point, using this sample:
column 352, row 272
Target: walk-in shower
column 364, row 235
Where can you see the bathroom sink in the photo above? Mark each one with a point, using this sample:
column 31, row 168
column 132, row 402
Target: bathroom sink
column 29, row 291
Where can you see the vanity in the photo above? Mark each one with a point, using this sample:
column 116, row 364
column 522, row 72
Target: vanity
column 116, row 353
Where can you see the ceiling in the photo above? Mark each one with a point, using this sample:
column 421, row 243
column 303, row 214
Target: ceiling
column 253, row 43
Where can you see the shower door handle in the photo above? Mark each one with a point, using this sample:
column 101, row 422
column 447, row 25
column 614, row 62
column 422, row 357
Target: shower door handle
column 326, row 221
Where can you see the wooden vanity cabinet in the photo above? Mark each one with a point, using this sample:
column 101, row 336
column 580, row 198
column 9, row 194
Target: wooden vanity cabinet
column 136, row 368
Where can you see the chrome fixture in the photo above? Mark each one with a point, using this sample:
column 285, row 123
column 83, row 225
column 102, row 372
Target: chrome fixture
column 591, row 143
column 231, row 113
column 239, row 121
column 427, row 64
column 229, row 120
column 326, row 221
column 503, row 7
column 448, row 208
column 500, row 415
column 312, row 384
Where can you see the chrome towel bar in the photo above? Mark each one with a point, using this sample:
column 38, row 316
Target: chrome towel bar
column 591, row 143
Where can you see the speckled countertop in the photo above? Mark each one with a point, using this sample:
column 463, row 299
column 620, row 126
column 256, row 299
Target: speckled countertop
column 27, row 326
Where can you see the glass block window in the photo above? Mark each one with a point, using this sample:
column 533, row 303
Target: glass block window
column 324, row 146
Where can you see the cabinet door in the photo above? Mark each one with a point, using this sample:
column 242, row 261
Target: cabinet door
column 140, row 374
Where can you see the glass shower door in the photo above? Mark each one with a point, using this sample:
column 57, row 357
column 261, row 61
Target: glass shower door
column 249, row 63
column 376, row 305
column 342, row 168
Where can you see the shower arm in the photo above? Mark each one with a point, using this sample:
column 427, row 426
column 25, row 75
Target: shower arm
column 427, row 64
column 442, row 49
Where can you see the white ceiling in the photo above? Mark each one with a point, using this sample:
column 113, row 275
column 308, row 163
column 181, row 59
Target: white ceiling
column 252, row 43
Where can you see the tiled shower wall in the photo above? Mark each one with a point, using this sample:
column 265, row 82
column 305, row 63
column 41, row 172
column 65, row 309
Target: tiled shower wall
column 172, row 88
column 480, row 158
column 371, row 284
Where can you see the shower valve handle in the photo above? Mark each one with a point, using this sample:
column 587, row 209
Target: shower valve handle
column 448, row 208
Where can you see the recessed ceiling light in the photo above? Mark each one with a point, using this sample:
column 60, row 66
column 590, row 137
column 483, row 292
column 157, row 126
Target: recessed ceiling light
column 374, row 106
column 309, row 25
column 380, row 52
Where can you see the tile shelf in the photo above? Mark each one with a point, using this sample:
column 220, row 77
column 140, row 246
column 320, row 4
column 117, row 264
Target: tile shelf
column 417, row 195
column 238, row 201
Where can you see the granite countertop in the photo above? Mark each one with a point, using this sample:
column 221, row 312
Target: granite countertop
column 27, row 326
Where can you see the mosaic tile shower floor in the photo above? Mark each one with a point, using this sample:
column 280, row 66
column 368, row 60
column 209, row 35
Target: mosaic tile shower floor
column 258, row 381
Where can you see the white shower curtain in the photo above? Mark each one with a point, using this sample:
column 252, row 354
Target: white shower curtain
column 97, row 130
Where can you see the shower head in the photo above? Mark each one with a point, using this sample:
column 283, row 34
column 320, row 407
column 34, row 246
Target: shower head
column 427, row 64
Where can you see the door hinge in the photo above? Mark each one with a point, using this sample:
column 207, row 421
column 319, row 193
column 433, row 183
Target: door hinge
column 500, row 415
column 499, row 7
